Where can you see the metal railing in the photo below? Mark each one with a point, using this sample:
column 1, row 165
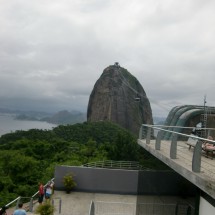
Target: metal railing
column 31, row 205
column 110, row 164
column 122, row 208
column 146, row 132
column 13, row 202
column 112, row 208
column 165, row 209
column 29, row 201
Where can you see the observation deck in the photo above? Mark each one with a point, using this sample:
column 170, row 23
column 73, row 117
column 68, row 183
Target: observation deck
column 190, row 163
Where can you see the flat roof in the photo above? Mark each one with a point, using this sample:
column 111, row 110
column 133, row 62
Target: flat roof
column 205, row 179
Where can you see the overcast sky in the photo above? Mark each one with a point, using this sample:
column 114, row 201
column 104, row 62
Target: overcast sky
column 53, row 51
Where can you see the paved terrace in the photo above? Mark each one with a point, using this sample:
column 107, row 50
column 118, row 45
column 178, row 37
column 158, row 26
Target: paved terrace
column 184, row 162
column 78, row 203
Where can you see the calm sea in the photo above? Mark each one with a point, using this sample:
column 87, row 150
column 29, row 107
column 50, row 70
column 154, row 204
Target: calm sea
column 9, row 124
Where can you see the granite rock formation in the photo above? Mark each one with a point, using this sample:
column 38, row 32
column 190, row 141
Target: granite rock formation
column 118, row 97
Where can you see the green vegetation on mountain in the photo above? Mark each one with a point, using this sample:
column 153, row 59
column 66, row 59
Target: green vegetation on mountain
column 27, row 157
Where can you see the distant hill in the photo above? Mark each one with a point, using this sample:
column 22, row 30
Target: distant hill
column 65, row 117
column 25, row 117
column 25, row 114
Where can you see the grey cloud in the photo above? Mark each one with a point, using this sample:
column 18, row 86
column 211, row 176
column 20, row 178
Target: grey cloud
column 53, row 52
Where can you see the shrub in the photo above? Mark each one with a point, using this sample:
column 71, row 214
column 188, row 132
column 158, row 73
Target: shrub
column 69, row 182
column 45, row 209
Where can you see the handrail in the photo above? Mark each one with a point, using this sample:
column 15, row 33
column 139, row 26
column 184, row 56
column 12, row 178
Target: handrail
column 196, row 159
column 175, row 126
column 115, row 164
column 31, row 199
column 60, row 203
column 118, row 208
column 175, row 132
column 92, row 208
column 10, row 203
column 44, row 186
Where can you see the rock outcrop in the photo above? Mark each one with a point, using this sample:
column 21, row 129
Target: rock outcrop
column 119, row 97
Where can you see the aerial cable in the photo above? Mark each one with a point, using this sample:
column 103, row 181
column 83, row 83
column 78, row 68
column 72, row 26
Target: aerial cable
column 153, row 101
column 124, row 81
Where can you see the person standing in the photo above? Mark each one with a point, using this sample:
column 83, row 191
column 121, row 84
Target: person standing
column 41, row 193
column 20, row 210
column 48, row 191
column 3, row 210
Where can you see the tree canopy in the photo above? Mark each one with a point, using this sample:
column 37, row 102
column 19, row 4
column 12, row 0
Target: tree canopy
column 28, row 157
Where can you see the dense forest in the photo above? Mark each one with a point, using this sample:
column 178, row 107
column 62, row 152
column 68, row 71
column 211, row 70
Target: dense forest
column 28, row 157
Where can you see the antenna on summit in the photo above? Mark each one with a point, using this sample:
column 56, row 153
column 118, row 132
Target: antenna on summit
column 205, row 113
column 116, row 64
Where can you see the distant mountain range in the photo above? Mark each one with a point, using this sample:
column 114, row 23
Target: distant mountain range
column 159, row 120
column 63, row 117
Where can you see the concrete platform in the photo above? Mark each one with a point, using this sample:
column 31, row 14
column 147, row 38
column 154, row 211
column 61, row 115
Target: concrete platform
column 205, row 180
column 78, row 203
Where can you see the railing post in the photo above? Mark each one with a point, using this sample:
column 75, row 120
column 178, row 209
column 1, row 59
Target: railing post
column 92, row 208
column 31, row 205
column 196, row 162
column 176, row 209
column 17, row 203
column 158, row 141
column 188, row 210
column 60, row 203
column 173, row 147
column 141, row 132
column 148, row 135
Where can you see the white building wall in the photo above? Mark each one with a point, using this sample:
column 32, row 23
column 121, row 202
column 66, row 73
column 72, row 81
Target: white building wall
column 205, row 208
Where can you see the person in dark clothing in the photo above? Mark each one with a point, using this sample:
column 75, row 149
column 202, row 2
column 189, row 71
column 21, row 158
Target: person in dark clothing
column 3, row 210
column 198, row 129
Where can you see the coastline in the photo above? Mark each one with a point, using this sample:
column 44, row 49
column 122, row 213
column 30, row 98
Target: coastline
column 9, row 124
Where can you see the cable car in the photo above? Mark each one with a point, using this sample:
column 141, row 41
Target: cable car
column 137, row 98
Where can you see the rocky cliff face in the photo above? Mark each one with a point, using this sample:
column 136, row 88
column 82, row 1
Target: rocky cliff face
column 118, row 97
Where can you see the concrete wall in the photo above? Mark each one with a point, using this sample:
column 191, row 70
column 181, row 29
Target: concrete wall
column 99, row 180
column 120, row 181
column 164, row 183
column 206, row 208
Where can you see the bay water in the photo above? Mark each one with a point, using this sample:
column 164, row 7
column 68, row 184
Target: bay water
column 8, row 124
